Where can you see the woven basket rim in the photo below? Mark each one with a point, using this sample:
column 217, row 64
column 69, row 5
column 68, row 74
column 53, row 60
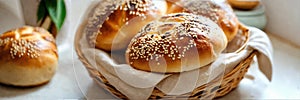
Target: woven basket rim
column 101, row 80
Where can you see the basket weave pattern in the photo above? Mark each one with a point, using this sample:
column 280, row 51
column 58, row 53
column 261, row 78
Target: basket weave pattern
column 210, row 90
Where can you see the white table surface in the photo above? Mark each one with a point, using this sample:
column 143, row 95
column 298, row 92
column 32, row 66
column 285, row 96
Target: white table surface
column 73, row 82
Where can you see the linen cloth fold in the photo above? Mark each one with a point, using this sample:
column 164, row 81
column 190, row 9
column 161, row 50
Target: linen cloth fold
column 137, row 85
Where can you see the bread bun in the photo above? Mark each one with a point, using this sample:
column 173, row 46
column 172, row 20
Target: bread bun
column 244, row 4
column 125, row 21
column 28, row 56
column 218, row 11
column 175, row 43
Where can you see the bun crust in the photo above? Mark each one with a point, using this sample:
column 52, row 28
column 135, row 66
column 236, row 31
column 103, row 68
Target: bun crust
column 176, row 43
column 244, row 5
column 28, row 56
column 218, row 11
column 125, row 21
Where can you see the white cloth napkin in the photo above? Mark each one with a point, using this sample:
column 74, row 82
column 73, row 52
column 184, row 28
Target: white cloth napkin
column 137, row 85
column 260, row 41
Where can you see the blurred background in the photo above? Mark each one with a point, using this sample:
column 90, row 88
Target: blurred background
column 282, row 16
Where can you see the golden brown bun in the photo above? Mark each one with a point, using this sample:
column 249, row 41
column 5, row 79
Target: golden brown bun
column 28, row 56
column 174, row 6
column 244, row 4
column 218, row 11
column 175, row 43
column 126, row 21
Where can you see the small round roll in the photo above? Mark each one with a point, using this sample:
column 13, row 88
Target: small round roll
column 28, row 56
column 244, row 4
column 218, row 11
column 125, row 21
column 176, row 43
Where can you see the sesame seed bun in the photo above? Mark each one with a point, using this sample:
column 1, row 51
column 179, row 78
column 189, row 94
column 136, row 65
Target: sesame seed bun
column 218, row 11
column 28, row 56
column 125, row 20
column 175, row 43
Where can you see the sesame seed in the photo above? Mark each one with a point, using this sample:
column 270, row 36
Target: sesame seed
column 209, row 9
column 136, row 7
column 100, row 14
column 153, row 44
column 20, row 47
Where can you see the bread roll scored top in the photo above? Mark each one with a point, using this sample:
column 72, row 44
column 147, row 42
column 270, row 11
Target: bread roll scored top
column 176, row 43
column 125, row 21
column 218, row 11
column 28, row 56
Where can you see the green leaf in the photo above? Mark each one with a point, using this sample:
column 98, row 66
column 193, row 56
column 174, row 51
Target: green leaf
column 42, row 11
column 57, row 11
column 61, row 13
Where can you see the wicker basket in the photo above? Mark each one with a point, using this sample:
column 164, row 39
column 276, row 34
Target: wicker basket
column 216, row 88
column 220, row 86
column 208, row 91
